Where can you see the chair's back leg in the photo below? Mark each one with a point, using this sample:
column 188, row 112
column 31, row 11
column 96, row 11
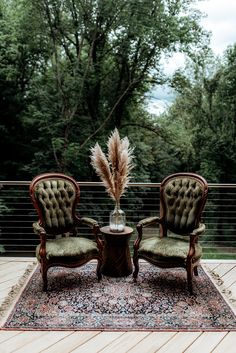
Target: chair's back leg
column 136, row 265
column 195, row 271
column 99, row 272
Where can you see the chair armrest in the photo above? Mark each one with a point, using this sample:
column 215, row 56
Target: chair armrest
column 194, row 239
column 198, row 231
column 89, row 221
column 144, row 223
column 148, row 221
column 96, row 231
column 38, row 229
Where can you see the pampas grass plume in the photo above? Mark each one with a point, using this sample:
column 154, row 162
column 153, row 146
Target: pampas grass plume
column 114, row 169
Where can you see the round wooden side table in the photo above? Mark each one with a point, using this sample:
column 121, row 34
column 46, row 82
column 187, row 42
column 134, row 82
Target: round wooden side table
column 116, row 254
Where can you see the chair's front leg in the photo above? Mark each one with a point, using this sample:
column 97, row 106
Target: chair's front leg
column 189, row 265
column 189, row 269
column 43, row 260
column 44, row 270
column 99, row 271
column 136, row 247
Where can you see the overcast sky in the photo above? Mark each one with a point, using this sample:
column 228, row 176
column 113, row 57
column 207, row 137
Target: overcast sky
column 220, row 20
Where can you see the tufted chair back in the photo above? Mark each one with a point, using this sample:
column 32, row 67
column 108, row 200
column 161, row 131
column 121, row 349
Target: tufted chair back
column 183, row 196
column 55, row 197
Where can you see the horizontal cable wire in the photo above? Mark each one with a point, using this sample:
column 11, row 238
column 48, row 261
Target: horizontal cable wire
column 140, row 200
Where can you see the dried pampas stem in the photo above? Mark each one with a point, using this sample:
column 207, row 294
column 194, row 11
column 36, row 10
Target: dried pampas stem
column 114, row 170
column 102, row 168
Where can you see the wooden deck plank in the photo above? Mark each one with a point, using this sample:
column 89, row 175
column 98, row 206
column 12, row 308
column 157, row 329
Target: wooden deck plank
column 9, row 276
column 6, row 287
column 225, row 283
column 71, row 342
column 224, row 268
column 4, row 290
column 6, row 335
column 45, row 340
column 125, row 342
column 3, row 294
column 5, row 266
column 179, row 343
column 9, row 265
column 99, row 342
column 230, row 277
column 3, row 261
column 210, row 266
column 17, row 259
column 9, row 268
column 206, row 342
column 232, row 288
column 227, row 345
column 152, row 342
column 20, row 341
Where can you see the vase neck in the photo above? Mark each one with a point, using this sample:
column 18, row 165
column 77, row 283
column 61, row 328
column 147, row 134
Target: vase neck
column 117, row 205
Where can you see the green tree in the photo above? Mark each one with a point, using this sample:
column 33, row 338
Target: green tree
column 19, row 60
column 205, row 110
column 87, row 66
column 102, row 58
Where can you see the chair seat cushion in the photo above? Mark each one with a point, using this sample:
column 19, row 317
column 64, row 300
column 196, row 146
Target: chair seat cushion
column 167, row 249
column 69, row 247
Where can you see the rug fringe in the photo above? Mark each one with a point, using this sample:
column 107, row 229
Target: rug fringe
column 16, row 289
column 220, row 283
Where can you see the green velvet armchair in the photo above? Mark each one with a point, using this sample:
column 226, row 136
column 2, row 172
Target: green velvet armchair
column 55, row 197
column 175, row 243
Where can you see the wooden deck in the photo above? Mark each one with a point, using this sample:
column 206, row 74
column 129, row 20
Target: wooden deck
column 11, row 269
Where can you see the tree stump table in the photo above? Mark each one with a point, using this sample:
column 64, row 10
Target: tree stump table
column 116, row 254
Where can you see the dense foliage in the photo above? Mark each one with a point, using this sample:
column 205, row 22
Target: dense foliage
column 205, row 113
column 73, row 70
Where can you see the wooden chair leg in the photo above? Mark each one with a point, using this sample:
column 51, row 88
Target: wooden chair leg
column 99, row 267
column 190, row 277
column 136, row 267
column 44, row 271
column 195, row 271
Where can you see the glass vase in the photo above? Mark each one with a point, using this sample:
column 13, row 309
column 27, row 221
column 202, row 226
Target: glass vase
column 117, row 219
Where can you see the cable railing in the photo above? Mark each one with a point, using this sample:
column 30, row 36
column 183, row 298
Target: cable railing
column 141, row 200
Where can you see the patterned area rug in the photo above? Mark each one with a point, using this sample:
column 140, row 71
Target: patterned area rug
column 159, row 301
